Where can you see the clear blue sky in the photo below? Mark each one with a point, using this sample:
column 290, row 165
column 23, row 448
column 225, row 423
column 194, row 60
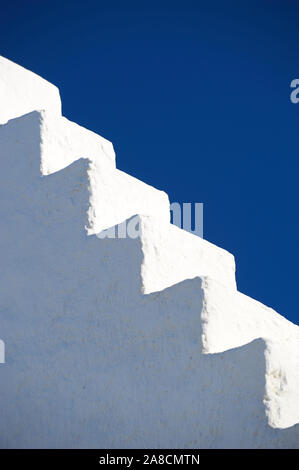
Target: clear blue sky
column 195, row 97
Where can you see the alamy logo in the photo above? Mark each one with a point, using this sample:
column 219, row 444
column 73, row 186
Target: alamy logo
column 2, row 352
column 181, row 216
column 187, row 216
column 295, row 93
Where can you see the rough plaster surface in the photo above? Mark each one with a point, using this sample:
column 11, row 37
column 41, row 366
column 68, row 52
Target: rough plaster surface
column 122, row 343
column 21, row 92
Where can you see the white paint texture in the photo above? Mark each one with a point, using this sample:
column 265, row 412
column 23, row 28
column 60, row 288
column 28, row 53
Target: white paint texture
column 121, row 343
column 21, row 92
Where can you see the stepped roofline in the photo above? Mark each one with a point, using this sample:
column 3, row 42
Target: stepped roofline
column 95, row 307
column 22, row 91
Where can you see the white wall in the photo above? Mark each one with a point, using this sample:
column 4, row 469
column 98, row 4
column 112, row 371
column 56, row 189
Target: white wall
column 21, row 92
column 124, row 343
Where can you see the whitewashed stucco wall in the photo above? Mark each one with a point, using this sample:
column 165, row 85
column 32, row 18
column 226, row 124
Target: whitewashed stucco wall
column 122, row 343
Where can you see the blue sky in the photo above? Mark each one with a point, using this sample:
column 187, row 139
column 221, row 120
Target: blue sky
column 195, row 96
